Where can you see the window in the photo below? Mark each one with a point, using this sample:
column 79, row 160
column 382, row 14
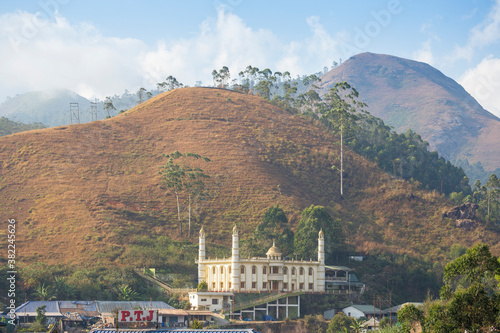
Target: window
column 254, row 269
column 310, row 286
column 213, row 270
column 242, row 285
column 254, row 285
column 276, row 270
column 229, row 270
column 264, row 285
column 215, row 301
column 301, row 286
column 222, row 270
column 222, row 285
column 264, row 270
column 285, row 285
column 301, row 271
column 213, row 285
column 229, row 284
column 203, row 299
column 293, row 271
column 310, row 271
column 285, row 270
column 242, row 270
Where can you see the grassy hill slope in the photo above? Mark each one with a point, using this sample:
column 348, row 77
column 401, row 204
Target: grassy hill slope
column 92, row 192
column 410, row 94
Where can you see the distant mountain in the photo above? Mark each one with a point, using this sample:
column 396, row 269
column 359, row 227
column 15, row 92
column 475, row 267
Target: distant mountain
column 50, row 107
column 410, row 94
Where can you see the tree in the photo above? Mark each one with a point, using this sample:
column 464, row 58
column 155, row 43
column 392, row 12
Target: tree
column 44, row 293
column 108, row 106
column 126, row 293
column 341, row 109
column 203, row 286
column 183, row 178
column 40, row 315
column 274, row 226
column 170, row 83
column 196, row 325
column 469, row 297
column 314, row 219
column 340, row 323
column 141, row 94
column 409, row 316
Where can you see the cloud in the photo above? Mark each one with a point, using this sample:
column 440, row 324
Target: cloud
column 424, row 54
column 483, row 83
column 484, row 34
column 39, row 52
column 47, row 53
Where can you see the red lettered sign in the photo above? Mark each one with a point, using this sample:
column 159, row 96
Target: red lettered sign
column 137, row 316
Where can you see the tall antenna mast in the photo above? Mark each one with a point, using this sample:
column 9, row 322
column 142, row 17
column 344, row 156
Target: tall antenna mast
column 74, row 113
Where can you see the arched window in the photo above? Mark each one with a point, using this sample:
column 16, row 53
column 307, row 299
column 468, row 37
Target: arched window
column 214, row 270
column 310, row 271
column 264, row 270
column 294, row 271
column 222, row 270
column 285, row 270
column 254, row 270
column 242, row 269
column 301, row 271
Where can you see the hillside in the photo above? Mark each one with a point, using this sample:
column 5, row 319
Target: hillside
column 48, row 107
column 410, row 94
column 91, row 193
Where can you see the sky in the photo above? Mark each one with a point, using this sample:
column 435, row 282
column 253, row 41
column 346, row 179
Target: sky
column 101, row 48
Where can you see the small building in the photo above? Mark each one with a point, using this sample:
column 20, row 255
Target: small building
column 370, row 325
column 78, row 313
column 392, row 312
column 360, row 311
column 26, row 312
column 107, row 309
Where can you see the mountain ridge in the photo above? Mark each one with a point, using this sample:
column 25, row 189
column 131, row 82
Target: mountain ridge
column 410, row 94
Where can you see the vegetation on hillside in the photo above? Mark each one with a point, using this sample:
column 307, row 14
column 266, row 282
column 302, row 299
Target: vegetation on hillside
column 8, row 126
column 487, row 197
column 402, row 155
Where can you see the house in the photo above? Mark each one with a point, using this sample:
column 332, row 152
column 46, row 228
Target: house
column 360, row 311
column 392, row 312
column 26, row 312
column 108, row 309
column 183, row 330
column 371, row 324
column 78, row 313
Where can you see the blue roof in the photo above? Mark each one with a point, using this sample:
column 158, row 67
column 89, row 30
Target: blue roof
column 110, row 306
column 29, row 308
column 83, row 305
column 183, row 330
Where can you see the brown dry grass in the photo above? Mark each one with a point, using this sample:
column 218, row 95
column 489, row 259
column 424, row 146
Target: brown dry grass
column 86, row 190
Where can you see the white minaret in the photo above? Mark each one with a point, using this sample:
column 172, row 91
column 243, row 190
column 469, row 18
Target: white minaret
column 235, row 261
column 201, row 257
column 321, row 259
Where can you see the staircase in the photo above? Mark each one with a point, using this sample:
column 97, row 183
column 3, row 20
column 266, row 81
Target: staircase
column 265, row 299
column 162, row 284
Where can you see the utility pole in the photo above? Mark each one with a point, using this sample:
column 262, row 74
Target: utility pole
column 341, row 156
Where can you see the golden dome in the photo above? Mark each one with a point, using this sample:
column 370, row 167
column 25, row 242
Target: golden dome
column 273, row 251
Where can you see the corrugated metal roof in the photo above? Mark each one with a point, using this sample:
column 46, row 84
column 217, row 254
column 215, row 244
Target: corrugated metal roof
column 365, row 308
column 88, row 306
column 396, row 308
column 29, row 308
column 107, row 307
column 184, row 330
